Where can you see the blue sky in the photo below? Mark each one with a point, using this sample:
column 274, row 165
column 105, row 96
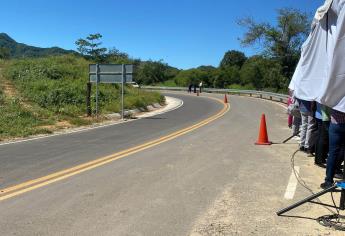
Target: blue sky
column 184, row 33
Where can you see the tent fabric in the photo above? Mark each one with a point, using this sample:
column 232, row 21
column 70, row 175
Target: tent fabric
column 296, row 75
column 320, row 73
column 312, row 67
column 333, row 94
column 322, row 11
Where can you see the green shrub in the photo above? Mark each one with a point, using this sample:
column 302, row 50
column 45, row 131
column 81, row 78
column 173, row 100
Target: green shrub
column 15, row 121
column 2, row 97
column 241, row 87
column 168, row 83
column 79, row 121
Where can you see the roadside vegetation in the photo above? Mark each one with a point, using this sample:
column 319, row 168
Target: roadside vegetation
column 15, row 120
column 50, row 93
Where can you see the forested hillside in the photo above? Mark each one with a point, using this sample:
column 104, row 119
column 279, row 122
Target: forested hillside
column 9, row 48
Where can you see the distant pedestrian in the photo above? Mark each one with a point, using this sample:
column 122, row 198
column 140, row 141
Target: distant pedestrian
column 190, row 88
column 200, row 86
column 194, row 88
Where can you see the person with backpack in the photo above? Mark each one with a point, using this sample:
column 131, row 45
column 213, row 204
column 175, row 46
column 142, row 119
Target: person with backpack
column 294, row 114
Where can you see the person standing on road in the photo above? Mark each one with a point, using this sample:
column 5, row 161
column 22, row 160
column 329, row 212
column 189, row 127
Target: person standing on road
column 336, row 143
column 190, row 88
column 321, row 147
column 200, row 86
column 308, row 127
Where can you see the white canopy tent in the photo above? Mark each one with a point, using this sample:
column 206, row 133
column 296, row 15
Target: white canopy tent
column 313, row 65
column 333, row 93
column 320, row 73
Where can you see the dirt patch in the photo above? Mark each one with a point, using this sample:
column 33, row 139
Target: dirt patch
column 219, row 219
column 7, row 87
column 57, row 126
column 11, row 92
column 63, row 125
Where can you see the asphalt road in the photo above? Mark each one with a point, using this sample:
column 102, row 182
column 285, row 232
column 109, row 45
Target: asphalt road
column 174, row 188
column 29, row 160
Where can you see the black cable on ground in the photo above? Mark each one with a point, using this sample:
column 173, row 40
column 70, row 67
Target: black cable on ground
column 335, row 220
column 303, row 183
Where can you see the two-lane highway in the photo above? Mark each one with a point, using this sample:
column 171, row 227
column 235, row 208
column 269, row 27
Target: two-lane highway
column 25, row 161
column 210, row 181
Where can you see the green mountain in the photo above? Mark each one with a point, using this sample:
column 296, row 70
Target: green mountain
column 17, row 50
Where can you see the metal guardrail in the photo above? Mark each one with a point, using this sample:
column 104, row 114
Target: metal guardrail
column 252, row 93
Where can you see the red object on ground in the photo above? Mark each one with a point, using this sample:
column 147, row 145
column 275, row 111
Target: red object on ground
column 263, row 137
column 290, row 118
column 225, row 99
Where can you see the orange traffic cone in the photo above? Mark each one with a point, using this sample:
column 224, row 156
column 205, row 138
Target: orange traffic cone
column 225, row 99
column 263, row 137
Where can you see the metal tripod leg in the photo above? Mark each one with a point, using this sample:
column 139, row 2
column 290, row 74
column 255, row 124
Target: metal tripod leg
column 342, row 197
column 342, row 200
column 308, row 199
column 289, row 138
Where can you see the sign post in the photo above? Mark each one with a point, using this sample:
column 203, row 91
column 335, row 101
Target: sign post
column 122, row 91
column 88, row 99
column 97, row 81
column 110, row 74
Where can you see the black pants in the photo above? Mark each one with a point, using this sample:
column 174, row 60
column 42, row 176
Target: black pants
column 336, row 150
column 322, row 142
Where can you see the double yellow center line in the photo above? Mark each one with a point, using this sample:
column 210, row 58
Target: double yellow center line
column 60, row 175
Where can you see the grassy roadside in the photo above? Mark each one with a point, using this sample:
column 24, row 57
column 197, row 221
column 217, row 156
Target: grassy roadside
column 46, row 94
column 15, row 119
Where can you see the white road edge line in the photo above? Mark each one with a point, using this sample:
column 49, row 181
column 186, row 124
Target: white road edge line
column 291, row 188
column 91, row 128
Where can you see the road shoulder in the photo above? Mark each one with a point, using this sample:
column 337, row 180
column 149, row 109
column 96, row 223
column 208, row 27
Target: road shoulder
column 249, row 206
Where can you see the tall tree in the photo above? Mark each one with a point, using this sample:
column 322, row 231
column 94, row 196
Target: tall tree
column 115, row 56
column 152, row 72
column 281, row 42
column 90, row 47
column 251, row 72
column 233, row 58
column 225, row 77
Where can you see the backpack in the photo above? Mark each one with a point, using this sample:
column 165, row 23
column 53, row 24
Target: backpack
column 293, row 108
